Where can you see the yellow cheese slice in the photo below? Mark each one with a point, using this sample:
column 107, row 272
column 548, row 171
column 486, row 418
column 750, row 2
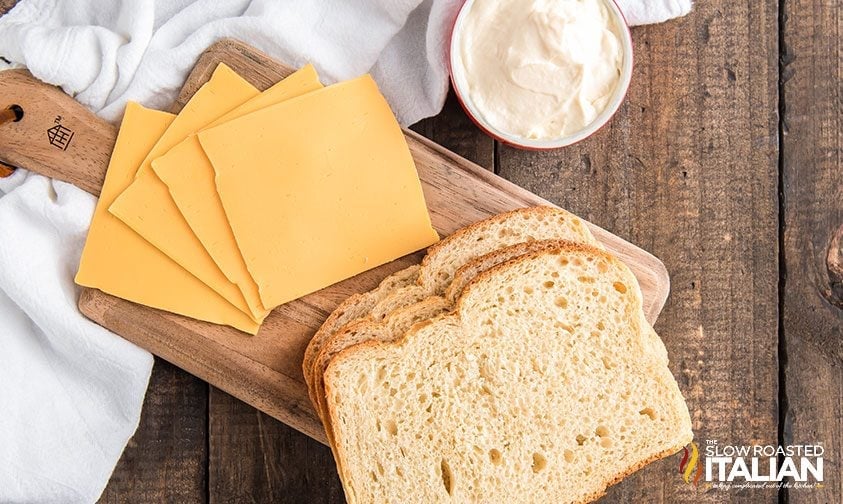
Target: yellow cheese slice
column 146, row 205
column 318, row 188
column 118, row 261
column 190, row 177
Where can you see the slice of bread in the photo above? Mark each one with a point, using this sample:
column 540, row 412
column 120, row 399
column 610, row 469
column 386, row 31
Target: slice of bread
column 350, row 335
column 355, row 307
column 443, row 260
column 539, row 387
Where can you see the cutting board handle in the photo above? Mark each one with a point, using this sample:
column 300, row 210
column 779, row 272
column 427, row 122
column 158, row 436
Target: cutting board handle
column 56, row 136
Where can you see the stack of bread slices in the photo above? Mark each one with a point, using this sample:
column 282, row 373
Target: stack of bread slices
column 513, row 365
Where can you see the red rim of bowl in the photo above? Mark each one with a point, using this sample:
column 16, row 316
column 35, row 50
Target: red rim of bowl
column 602, row 119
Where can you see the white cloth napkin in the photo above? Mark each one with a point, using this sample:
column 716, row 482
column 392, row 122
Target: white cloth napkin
column 642, row 12
column 70, row 391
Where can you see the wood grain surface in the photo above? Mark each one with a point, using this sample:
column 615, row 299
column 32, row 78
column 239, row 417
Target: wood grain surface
column 166, row 460
column 716, row 99
column 812, row 235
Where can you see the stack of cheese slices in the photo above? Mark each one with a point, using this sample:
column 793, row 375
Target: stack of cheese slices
column 513, row 365
column 246, row 200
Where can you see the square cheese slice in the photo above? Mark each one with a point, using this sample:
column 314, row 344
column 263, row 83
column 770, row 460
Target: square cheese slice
column 318, row 188
column 190, row 178
column 147, row 207
column 116, row 260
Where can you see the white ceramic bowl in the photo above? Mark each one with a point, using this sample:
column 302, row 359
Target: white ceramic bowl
column 458, row 80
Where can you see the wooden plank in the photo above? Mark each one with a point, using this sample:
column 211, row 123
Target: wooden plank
column 166, row 460
column 453, row 130
column 255, row 458
column 687, row 169
column 812, row 176
column 265, row 370
column 6, row 6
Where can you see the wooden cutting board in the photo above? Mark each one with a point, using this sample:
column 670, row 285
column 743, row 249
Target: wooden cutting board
column 263, row 370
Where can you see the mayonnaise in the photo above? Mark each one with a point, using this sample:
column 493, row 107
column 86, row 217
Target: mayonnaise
column 539, row 69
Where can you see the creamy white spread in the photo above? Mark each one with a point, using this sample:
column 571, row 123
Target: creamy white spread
column 539, row 69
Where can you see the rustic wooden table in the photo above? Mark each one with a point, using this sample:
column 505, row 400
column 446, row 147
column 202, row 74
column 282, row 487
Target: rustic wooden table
column 725, row 161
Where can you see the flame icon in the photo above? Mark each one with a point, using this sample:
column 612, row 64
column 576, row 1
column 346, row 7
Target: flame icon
column 690, row 462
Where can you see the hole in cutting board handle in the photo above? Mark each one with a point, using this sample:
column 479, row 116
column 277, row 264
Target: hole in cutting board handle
column 18, row 111
column 12, row 113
